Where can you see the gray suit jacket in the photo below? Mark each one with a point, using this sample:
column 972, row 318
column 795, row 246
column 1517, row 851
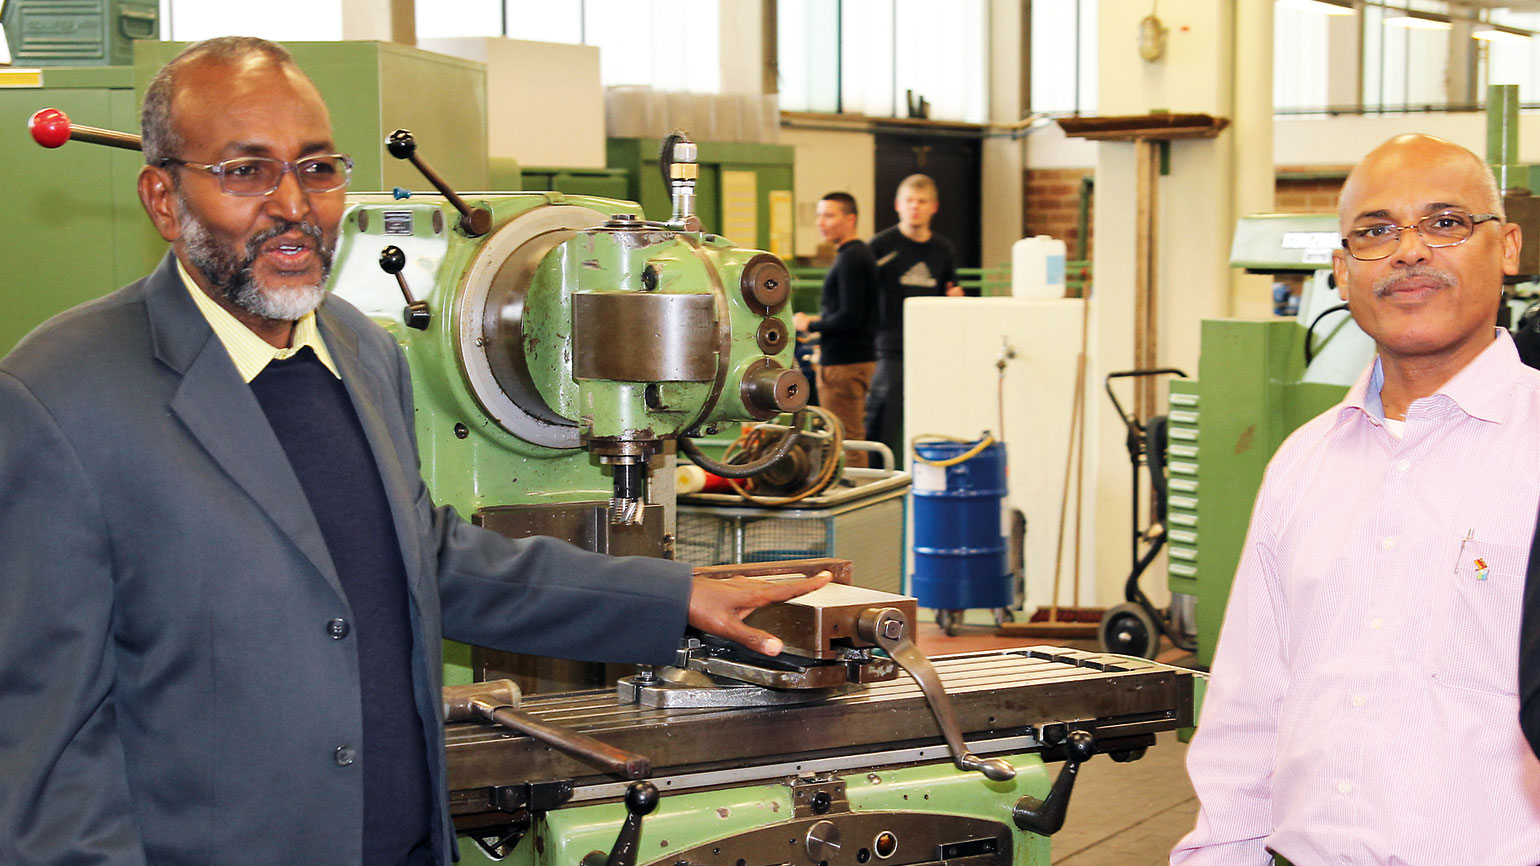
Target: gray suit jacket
column 169, row 691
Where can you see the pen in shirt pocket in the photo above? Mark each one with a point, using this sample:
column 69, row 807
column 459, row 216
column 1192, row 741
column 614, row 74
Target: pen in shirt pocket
column 1470, row 535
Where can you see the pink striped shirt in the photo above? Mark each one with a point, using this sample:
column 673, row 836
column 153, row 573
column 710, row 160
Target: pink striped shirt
column 1363, row 707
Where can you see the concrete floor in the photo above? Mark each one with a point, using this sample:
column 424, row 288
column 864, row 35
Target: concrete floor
column 1120, row 814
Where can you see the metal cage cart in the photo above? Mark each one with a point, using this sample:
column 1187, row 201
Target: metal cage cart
column 860, row 518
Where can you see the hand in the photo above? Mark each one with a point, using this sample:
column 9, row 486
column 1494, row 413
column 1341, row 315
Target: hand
column 718, row 606
column 954, row 291
column 800, row 321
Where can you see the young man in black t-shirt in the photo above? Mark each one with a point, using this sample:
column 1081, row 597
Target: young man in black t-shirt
column 912, row 262
column 847, row 321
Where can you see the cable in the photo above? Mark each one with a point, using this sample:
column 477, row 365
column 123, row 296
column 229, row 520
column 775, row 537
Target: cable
column 971, row 453
column 745, row 470
column 1309, row 350
column 831, row 461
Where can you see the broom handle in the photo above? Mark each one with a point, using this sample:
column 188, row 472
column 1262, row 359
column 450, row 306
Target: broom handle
column 1058, row 558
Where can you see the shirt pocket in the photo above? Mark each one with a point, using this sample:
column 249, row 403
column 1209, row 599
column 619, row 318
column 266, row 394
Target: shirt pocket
column 1477, row 611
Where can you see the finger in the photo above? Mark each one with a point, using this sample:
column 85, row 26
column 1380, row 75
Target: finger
column 758, row 640
column 781, row 590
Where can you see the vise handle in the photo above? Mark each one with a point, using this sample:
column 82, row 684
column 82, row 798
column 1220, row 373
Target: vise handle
column 497, row 702
column 888, row 628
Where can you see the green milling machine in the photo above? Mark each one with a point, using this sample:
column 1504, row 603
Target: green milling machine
column 1259, row 380
column 562, row 348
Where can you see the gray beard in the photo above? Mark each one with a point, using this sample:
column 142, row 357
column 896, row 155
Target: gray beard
column 233, row 276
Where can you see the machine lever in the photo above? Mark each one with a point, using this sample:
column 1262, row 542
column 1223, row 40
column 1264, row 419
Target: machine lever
column 1045, row 817
column 888, row 628
column 473, row 221
column 52, row 128
column 416, row 315
column 641, row 799
column 495, row 702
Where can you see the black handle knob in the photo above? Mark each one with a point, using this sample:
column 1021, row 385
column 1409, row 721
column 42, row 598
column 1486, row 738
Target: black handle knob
column 1046, row 817
column 641, row 799
column 416, row 314
column 401, row 144
column 392, row 260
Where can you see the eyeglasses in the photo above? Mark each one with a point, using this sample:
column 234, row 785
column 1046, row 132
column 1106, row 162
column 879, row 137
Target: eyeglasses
column 1443, row 229
column 260, row 175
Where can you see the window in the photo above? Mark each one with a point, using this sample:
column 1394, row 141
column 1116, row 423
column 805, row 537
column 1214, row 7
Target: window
column 880, row 57
column 1063, row 57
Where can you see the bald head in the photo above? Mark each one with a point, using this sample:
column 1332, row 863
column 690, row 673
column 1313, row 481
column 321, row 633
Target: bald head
column 1408, row 157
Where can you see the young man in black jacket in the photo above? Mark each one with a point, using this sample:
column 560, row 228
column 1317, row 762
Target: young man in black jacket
column 847, row 323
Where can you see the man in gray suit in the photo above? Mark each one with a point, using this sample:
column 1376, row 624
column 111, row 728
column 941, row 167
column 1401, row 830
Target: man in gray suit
column 224, row 583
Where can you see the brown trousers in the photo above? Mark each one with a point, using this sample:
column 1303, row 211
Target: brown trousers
column 842, row 390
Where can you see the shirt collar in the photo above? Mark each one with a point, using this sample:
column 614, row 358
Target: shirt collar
column 251, row 353
column 1480, row 389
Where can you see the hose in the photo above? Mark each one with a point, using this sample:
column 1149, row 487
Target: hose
column 745, row 470
column 971, row 453
column 831, row 462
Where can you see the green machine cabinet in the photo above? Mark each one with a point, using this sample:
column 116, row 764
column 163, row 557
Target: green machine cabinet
column 725, row 169
column 73, row 226
column 1224, row 427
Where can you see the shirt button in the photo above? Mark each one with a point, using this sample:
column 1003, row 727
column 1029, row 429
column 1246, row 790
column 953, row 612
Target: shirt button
column 1388, row 544
column 1376, row 623
column 344, row 756
column 1358, row 700
column 1403, row 465
column 1344, row 786
column 337, row 628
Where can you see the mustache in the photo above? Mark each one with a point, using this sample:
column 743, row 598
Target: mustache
column 1443, row 278
column 309, row 229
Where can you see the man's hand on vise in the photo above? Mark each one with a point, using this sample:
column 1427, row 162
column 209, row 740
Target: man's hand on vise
column 800, row 321
column 718, row 606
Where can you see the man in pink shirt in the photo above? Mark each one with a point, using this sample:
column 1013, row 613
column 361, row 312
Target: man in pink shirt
column 1363, row 707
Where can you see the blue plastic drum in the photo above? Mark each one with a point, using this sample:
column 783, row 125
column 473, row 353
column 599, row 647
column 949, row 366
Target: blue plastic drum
column 959, row 548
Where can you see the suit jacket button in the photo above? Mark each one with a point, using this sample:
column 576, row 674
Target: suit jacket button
column 337, row 628
column 344, row 756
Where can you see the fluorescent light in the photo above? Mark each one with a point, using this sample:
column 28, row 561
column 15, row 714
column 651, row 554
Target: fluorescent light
column 1499, row 33
column 1320, row 7
column 1414, row 20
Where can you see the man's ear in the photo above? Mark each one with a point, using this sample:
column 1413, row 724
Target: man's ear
column 158, row 196
column 1513, row 241
column 1339, row 270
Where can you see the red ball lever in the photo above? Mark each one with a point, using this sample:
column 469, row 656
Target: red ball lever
column 52, row 128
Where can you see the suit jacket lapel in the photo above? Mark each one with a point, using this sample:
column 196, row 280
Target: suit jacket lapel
column 220, row 411
column 369, row 391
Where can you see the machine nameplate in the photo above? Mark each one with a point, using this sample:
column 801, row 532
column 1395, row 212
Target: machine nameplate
column 397, row 222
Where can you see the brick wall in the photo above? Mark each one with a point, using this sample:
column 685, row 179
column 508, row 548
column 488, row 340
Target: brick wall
column 1307, row 195
column 1053, row 205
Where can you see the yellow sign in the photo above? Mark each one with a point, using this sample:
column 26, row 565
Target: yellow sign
column 21, row 78
column 781, row 232
column 740, row 207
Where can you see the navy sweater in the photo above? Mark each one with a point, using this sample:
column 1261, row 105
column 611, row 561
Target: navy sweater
column 314, row 420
